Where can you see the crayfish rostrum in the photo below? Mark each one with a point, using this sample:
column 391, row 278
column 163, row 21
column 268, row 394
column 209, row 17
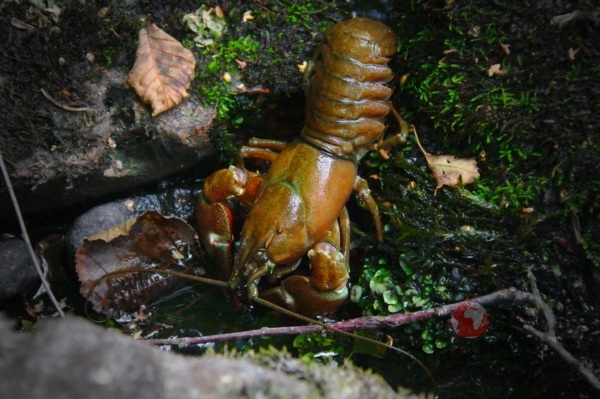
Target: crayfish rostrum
column 298, row 207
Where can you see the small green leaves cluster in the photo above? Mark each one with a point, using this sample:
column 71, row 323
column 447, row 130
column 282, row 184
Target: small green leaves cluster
column 244, row 47
column 381, row 291
column 516, row 192
column 300, row 13
column 221, row 93
column 207, row 24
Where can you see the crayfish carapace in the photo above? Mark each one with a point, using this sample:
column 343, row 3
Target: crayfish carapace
column 298, row 207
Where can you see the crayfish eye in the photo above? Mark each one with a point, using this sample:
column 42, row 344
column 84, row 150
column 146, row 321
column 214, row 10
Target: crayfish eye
column 261, row 256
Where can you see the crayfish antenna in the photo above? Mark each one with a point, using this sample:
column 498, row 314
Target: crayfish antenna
column 128, row 270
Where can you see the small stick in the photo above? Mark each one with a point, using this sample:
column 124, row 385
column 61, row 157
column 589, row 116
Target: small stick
column 376, row 322
column 26, row 237
column 65, row 107
column 550, row 339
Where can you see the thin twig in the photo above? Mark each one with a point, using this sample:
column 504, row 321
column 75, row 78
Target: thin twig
column 26, row 237
column 65, row 107
column 510, row 295
column 328, row 327
column 550, row 339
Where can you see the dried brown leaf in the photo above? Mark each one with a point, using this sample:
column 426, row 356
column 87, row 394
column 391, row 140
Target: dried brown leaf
column 151, row 241
column 449, row 170
column 17, row 23
column 505, row 48
column 163, row 70
column 564, row 19
column 572, row 52
column 495, row 70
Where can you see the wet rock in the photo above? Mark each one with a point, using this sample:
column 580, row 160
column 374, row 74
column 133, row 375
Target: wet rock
column 17, row 272
column 114, row 146
column 73, row 358
column 169, row 201
column 94, row 221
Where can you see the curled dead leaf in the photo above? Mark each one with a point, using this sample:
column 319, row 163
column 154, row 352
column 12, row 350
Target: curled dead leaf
column 302, row 67
column 449, row 170
column 572, row 52
column 474, row 31
column 163, row 70
column 505, row 48
column 17, row 23
column 247, row 16
column 151, row 241
column 495, row 70
column 564, row 19
column 241, row 64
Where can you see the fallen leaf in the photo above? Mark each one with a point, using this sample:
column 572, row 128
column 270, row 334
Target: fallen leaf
column 113, row 232
column 368, row 347
column 103, row 13
column 163, row 70
column 495, row 70
column 247, row 16
column 302, row 67
column 17, row 23
column 448, row 170
column 564, row 19
column 572, row 53
column 53, row 9
column 241, row 64
column 142, row 316
column 474, row 31
column 151, row 241
column 384, row 153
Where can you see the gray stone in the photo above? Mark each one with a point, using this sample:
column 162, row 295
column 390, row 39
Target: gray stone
column 112, row 152
column 17, row 272
column 73, row 358
column 94, row 221
column 172, row 201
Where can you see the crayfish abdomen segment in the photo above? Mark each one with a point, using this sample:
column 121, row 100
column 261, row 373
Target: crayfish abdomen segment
column 347, row 99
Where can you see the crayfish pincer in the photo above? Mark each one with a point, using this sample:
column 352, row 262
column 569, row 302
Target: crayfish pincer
column 298, row 207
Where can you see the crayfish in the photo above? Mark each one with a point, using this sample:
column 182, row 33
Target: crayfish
column 298, row 207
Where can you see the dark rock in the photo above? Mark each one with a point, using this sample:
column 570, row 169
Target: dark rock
column 72, row 358
column 17, row 271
